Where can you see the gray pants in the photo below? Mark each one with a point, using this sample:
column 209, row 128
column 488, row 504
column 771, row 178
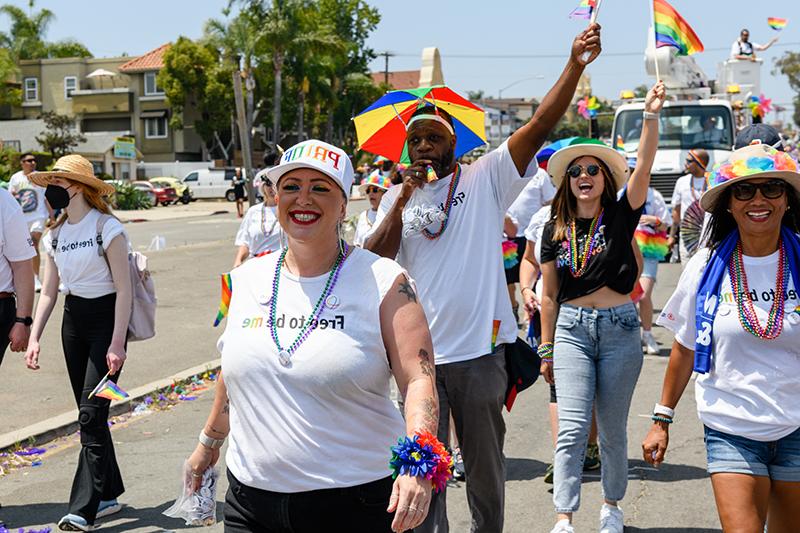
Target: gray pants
column 474, row 392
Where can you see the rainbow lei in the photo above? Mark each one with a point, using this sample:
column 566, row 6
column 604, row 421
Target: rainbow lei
column 422, row 456
column 653, row 245
column 510, row 254
column 578, row 267
column 747, row 313
column 447, row 206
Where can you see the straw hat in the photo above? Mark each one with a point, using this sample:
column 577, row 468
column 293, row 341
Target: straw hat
column 750, row 162
column 76, row 168
column 614, row 160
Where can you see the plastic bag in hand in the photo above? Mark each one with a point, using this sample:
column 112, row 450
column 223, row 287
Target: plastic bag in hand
column 196, row 508
column 420, row 212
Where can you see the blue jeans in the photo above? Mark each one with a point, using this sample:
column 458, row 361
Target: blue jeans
column 597, row 360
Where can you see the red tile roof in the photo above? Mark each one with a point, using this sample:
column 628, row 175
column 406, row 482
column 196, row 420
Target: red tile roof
column 401, row 79
column 152, row 60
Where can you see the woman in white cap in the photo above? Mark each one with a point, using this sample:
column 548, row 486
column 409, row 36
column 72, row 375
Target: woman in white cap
column 374, row 187
column 87, row 256
column 590, row 328
column 259, row 232
column 736, row 318
column 313, row 336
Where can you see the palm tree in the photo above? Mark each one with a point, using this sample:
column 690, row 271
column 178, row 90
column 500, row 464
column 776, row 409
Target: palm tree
column 25, row 39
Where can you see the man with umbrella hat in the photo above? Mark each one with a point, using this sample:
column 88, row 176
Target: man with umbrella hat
column 458, row 267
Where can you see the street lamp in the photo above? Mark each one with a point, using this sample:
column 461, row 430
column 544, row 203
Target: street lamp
column 500, row 92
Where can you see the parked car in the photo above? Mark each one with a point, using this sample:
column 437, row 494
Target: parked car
column 211, row 183
column 160, row 194
column 184, row 192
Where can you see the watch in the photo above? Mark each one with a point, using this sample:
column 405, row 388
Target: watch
column 24, row 320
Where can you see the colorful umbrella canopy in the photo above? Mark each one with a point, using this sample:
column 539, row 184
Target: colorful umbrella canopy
column 543, row 155
column 381, row 128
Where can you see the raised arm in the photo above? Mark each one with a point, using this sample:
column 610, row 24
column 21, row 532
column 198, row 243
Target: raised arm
column 639, row 181
column 762, row 47
column 526, row 141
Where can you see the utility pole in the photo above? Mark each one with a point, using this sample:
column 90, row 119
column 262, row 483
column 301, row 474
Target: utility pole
column 244, row 132
column 386, row 55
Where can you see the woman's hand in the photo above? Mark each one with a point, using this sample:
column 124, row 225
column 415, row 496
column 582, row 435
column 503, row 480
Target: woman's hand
column 115, row 358
column 202, row 457
column 530, row 301
column 546, row 370
column 654, row 446
column 32, row 354
column 655, row 98
column 409, row 502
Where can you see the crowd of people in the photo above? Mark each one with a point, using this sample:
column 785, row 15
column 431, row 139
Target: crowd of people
column 317, row 327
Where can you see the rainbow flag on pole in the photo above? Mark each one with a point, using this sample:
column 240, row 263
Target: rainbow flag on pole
column 672, row 30
column 225, row 298
column 776, row 23
column 584, row 10
column 109, row 390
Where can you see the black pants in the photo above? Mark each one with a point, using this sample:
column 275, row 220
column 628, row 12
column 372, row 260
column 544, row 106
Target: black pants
column 359, row 509
column 8, row 311
column 86, row 335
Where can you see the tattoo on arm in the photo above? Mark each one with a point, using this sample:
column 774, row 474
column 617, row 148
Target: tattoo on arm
column 430, row 414
column 226, row 409
column 425, row 363
column 408, row 290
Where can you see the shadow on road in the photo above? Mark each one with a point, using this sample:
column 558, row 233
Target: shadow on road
column 19, row 516
column 629, row 529
column 667, row 472
column 522, row 469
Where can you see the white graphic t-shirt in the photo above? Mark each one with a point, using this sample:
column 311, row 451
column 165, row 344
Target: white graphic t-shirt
column 82, row 271
column 460, row 275
column 29, row 196
column 15, row 241
column 752, row 387
column 259, row 230
column 327, row 420
column 363, row 227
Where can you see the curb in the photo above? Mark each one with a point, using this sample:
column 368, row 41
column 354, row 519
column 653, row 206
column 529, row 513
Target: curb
column 67, row 423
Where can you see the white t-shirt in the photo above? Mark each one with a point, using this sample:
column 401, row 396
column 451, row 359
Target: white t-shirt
column 535, row 228
column 326, row 421
column 82, row 271
column 259, row 230
column 17, row 184
column 752, row 387
column 460, row 275
column 537, row 192
column 738, row 48
column 364, row 226
column 688, row 189
column 15, row 241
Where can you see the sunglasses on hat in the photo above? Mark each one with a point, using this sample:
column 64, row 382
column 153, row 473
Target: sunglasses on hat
column 769, row 189
column 575, row 170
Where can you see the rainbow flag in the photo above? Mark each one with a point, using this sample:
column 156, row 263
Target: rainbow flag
column 653, row 245
column 619, row 144
column 510, row 254
column 109, row 390
column 495, row 331
column 672, row 30
column 584, row 10
column 225, row 298
column 776, row 23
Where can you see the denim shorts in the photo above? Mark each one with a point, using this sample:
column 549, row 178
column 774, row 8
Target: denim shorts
column 650, row 268
column 778, row 460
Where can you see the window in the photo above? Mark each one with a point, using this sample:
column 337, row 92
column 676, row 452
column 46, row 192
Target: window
column 190, row 177
column 155, row 128
column 151, row 85
column 681, row 127
column 70, row 85
column 31, row 89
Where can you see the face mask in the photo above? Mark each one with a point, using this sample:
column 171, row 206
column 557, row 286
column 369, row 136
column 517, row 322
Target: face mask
column 57, row 196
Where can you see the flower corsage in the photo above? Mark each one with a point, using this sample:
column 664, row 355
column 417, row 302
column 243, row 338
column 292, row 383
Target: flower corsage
column 422, row 456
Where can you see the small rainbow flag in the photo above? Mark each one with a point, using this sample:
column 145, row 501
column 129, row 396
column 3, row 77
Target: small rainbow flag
column 672, row 30
column 495, row 331
column 225, row 298
column 584, row 10
column 109, row 390
column 776, row 23
column 620, row 143
column 653, row 245
column 510, row 254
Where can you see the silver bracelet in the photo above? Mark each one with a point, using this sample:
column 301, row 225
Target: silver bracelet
column 663, row 410
column 208, row 442
column 647, row 115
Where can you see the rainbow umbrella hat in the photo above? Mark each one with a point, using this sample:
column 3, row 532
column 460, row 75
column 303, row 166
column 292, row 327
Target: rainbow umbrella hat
column 381, row 128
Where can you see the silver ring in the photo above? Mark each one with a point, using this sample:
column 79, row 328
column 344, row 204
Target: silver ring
column 195, row 474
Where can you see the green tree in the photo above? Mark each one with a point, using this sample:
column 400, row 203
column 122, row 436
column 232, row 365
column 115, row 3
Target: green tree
column 641, row 91
column 789, row 66
column 59, row 136
column 67, row 48
column 10, row 93
column 25, row 38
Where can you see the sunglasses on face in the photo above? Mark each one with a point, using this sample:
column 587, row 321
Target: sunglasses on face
column 371, row 190
column 29, row 161
column 576, row 170
column 769, row 189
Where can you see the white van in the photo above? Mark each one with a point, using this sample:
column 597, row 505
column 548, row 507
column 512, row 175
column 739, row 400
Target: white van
column 211, row 183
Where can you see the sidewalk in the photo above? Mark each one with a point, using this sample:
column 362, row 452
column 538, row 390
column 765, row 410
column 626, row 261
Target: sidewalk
column 198, row 208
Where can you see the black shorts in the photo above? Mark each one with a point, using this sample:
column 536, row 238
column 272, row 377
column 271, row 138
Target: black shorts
column 238, row 192
column 512, row 274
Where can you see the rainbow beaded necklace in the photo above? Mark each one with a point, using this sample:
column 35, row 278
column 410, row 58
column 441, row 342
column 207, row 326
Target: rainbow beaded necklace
column 447, row 205
column 285, row 354
column 747, row 313
column 577, row 267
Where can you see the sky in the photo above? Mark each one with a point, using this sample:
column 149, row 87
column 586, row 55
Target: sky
column 475, row 38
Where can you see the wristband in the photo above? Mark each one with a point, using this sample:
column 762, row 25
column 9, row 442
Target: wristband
column 646, row 115
column 545, row 351
column 528, row 288
column 422, row 456
column 656, row 418
column 663, row 410
column 208, row 442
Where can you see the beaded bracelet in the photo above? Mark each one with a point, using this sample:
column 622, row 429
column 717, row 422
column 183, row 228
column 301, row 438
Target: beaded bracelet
column 656, row 418
column 545, row 351
column 422, row 456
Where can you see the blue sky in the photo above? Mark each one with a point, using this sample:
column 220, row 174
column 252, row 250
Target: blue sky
column 466, row 28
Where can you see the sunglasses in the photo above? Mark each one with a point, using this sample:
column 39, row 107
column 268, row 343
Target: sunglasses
column 29, row 161
column 769, row 189
column 576, row 170
column 371, row 190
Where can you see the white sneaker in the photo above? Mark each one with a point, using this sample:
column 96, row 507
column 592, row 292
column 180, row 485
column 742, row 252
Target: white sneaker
column 563, row 526
column 611, row 519
column 37, row 285
column 651, row 346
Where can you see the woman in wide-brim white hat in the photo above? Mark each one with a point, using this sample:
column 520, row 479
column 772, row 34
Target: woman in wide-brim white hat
column 736, row 318
column 373, row 188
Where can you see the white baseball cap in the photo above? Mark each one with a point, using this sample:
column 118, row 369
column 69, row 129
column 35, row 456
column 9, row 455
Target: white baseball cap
column 317, row 155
